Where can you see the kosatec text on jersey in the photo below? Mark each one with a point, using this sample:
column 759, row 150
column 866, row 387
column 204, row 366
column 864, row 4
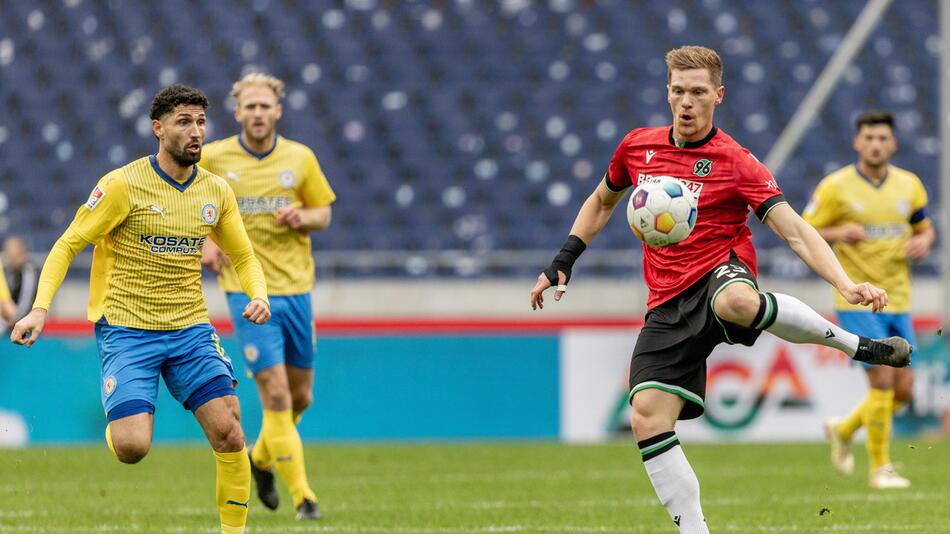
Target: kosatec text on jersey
column 172, row 244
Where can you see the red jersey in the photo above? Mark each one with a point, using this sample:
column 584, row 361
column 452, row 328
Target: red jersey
column 728, row 181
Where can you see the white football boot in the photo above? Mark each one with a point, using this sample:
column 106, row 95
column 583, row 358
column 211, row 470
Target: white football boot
column 885, row 477
column 841, row 457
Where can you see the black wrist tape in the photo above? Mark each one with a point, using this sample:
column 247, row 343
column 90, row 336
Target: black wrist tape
column 564, row 260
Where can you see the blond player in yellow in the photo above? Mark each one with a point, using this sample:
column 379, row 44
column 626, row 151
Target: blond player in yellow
column 874, row 215
column 149, row 220
column 283, row 196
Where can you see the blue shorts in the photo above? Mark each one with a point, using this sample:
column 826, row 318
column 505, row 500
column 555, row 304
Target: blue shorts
column 287, row 338
column 878, row 325
column 191, row 361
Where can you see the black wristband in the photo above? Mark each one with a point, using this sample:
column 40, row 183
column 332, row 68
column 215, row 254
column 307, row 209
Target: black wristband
column 564, row 260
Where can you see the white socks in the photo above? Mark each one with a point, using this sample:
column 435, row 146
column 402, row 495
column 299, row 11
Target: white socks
column 674, row 481
column 794, row 321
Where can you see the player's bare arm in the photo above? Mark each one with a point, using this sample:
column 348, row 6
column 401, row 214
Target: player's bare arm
column 213, row 257
column 591, row 219
column 312, row 219
column 849, row 233
column 918, row 246
column 806, row 242
column 28, row 329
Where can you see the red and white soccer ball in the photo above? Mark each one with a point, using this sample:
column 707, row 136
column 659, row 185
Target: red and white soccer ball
column 662, row 211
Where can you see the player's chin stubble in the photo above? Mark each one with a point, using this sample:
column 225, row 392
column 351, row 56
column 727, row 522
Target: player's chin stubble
column 185, row 159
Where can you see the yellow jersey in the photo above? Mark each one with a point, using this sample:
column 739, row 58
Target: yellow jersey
column 889, row 212
column 4, row 289
column 286, row 175
column 148, row 230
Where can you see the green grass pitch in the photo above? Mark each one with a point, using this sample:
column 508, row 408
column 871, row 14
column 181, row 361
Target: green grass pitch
column 449, row 488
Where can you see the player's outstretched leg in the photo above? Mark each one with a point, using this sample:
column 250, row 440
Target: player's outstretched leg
column 654, row 414
column 792, row 320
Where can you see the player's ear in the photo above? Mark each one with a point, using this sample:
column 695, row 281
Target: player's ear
column 280, row 110
column 157, row 129
column 720, row 93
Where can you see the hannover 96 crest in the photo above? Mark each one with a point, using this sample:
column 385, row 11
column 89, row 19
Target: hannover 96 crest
column 702, row 167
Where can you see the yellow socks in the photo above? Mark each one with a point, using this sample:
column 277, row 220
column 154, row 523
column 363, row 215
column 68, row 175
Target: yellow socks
column 283, row 444
column 233, row 489
column 877, row 419
column 850, row 424
column 259, row 453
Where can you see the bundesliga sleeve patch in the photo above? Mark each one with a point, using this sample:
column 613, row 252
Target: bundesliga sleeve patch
column 94, row 198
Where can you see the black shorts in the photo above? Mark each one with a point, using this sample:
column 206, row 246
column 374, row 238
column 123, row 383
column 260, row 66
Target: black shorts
column 679, row 335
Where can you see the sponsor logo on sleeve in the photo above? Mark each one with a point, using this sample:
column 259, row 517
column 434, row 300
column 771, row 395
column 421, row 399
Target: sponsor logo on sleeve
column 94, row 198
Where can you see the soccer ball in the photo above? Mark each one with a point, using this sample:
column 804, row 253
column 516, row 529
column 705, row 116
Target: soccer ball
column 662, row 211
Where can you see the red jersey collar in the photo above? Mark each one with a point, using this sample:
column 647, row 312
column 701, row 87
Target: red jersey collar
column 694, row 144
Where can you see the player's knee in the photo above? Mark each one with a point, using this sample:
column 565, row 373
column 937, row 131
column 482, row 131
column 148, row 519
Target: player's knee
column 130, row 450
column 882, row 378
column 904, row 389
column 277, row 399
column 903, row 395
column 230, row 437
column 738, row 304
column 646, row 422
column 275, row 392
column 302, row 400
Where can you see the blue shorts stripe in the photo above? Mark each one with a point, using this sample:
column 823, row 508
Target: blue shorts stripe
column 220, row 386
column 130, row 407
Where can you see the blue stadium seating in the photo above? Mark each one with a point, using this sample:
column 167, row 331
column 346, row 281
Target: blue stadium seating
column 456, row 125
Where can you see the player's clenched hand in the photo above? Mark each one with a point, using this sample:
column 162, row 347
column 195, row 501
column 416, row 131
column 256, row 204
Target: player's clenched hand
column 213, row 257
column 865, row 294
column 257, row 311
column 290, row 216
column 27, row 329
column 537, row 294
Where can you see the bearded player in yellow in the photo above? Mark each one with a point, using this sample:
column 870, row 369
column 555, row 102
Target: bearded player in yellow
column 149, row 220
column 874, row 215
column 283, row 196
